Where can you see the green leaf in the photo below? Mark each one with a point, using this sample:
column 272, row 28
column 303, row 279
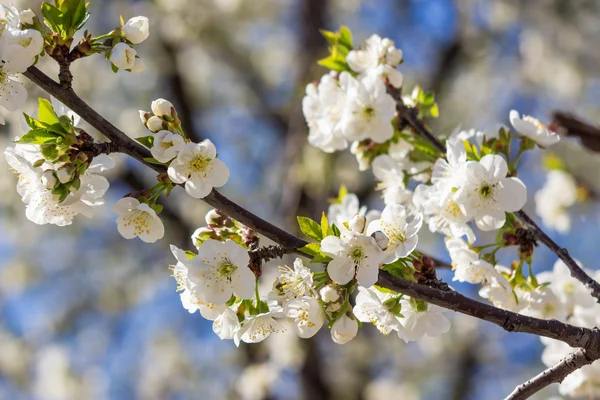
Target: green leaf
column 46, row 113
column 320, row 258
column 325, row 228
column 346, row 37
column 312, row 249
column 336, row 230
column 53, row 17
column 331, row 37
column 146, row 140
column 114, row 68
column 310, row 228
column 39, row 136
column 152, row 160
column 434, row 111
column 334, row 63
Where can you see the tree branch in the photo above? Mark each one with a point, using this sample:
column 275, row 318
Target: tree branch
column 555, row 374
column 512, row 322
column 409, row 117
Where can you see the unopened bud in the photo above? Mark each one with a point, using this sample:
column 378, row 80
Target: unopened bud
column 381, row 240
column 154, row 124
column 332, row 307
column 48, row 179
column 329, row 294
column 65, row 173
column 204, row 233
column 417, row 264
column 215, row 217
column 344, row 330
column 250, row 237
column 144, row 116
column 428, row 263
column 26, row 17
column 162, row 107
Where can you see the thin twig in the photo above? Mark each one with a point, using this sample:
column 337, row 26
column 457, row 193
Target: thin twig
column 555, row 374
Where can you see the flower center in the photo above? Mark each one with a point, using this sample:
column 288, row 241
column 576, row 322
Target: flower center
column 486, row 190
column 226, row 269
column 139, row 221
column 199, row 163
column 25, row 42
column 369, row 113
column 166, row 145
column 453, row 209
column 357, row 254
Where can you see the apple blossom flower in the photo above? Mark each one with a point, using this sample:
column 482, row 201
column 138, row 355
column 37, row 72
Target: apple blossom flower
column 533, row 129
column 390, row 174
column 379, row 58
column 296, row 281
column 221, row 269
column 420, row 318
column 123, row 56
column 138, row 219
column 257, row 328
column 497, row 289
column 137, row 29
column 401, row 234
column 369, row 110
column 166, row 146
column 372, row 306
column 226, row 324
column 344, row 330
column 322, row 107
column 487, row 193
column 307, row 315
column 338, row 213
column 196, row 165
column 466, row 263
column 353, row 254
column 552, row 201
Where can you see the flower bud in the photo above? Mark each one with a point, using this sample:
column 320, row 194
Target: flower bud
column 162, row 107
column 332, row 307
column 154, row 124
column 27, row 17
column 381, row 240
column 329, row 294
column 344, row 330
column 65, row 173
column 123, row 56
column 509, row 239
column 358, row 223
column 137, row 29
column 204, row 233
column 144, row 116
column 417, row 264
column 215, row 217
column 139, row 65
column 48, row 179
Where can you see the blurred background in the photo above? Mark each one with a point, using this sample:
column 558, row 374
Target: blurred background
column 85, row 314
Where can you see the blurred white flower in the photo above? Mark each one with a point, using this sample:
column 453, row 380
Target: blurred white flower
column 553, row 200
column 533, row 129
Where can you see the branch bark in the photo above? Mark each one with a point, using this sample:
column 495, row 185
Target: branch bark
column 554, row 374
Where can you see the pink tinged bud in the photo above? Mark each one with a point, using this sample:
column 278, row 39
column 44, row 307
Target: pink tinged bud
column 329, row 294
column 154, row 124
column 381, row 240
column 358, row 223
column 162, row 107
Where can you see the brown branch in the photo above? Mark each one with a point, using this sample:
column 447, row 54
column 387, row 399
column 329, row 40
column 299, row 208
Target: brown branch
column 408, row 116
column 568, row 124
column 555, row 374
column 512, row 322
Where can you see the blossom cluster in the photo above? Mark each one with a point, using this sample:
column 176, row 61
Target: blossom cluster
column 219, row 281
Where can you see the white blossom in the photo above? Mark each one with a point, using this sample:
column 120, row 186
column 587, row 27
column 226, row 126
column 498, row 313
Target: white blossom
column 497, row 289
column 533, row 129
column 322, row 107
column 371, row 306
column 123, row 56
column 369, row 110
column 27, row 16
column 380, row 58
column 338, row 213
column 166, row 146
column 402, row 235
column 196, row 165
column 487, row 193
column 154, row 123
column 307, row 315
column 227, row 324
column 257, row 328
column 296, row 281
column 553, row 200
column 467, row 265
column 353, row 254
column 162, row 108
column 329, row 294
column 543, row 303
column 138, row 66
column 344, row 330
column 138, row 219
column 137, row 29
column 390, row 174
column 221, row 269
column 421, row 319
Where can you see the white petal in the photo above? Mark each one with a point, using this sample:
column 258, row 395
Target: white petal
column 495, row 165
column 341, row 270
column 512, row 194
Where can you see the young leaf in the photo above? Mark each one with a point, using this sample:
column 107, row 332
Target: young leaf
column 152, row 160
column 46, row 113
column 310, row 228
column 312, row 249
column 146, row 140
column 346, row 37
column 325, row 228
column 38, row 136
